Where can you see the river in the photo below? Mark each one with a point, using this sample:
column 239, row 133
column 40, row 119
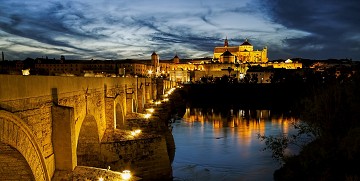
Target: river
column 213, row 144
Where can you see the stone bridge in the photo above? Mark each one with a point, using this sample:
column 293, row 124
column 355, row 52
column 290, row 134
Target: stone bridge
column 51, row 125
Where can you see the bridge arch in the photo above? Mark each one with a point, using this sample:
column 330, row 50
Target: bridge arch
column 88, row 145
column 14, row 166
column 16, row 136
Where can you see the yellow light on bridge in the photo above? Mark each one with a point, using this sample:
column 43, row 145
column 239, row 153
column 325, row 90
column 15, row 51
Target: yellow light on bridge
column 135, row 132
column 126, row 175
column 25, row 72
column 171, row 91
column 151, row 110
column 138, row 131
column 147, row 116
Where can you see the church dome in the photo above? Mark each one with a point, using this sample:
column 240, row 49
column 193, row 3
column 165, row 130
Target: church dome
column 227, row 53
column 227, row 57
column 153, row 53
column 246, row 43
column 176, row 59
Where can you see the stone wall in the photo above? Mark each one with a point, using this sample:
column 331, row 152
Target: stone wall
column 145, row 157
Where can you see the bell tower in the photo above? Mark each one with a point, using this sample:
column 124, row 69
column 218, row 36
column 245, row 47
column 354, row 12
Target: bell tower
column 226, row 43
column 155, row 62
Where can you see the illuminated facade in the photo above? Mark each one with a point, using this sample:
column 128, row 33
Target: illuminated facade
column 232, row 61
column 155, row 63
column 243, row 53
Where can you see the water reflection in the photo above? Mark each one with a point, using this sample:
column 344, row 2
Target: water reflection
column 222, row 144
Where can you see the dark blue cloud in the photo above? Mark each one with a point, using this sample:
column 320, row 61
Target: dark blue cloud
column 333, row 27
column 122, row 29
column 44, row 25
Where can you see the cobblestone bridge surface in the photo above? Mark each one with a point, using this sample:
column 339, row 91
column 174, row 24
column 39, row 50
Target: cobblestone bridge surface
column 77, row 128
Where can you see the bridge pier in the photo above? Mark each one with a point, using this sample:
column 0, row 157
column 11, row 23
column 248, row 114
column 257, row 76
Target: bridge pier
column 63, row 137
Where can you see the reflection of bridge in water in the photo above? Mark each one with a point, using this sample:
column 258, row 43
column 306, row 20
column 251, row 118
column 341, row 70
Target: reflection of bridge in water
column 49, row 126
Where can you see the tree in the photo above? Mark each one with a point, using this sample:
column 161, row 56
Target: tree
column 330, row 117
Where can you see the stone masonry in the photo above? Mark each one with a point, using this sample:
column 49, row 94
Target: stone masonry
column 50, row 125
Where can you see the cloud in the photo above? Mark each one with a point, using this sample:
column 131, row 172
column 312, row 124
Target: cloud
column 133, row 29
column 331, row 26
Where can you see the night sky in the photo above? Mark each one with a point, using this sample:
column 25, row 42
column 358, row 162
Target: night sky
column 119, row 29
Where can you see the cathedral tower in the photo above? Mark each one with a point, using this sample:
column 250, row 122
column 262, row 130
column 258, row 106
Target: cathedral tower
column 176, row 59
column 155, row 62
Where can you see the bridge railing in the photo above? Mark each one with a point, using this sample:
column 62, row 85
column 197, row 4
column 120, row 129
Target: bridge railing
column 30, row 103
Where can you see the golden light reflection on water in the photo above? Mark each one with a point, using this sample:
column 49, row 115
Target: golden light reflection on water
column 224, row 141
column 247, row 122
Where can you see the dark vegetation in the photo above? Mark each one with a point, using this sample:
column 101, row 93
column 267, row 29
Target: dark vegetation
column 331, row 114
column 329, row 107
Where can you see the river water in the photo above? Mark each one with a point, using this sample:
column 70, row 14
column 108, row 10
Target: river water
column 213, row 144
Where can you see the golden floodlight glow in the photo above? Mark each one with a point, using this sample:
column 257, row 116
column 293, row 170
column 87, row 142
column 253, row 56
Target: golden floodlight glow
column 150, row 72
column 135, row 132
column 147, row 116
column 166, row 99
column 101, row 179
column 138, row 131
column 171, row 91
column 151, row 110
column 126, row 175
column 157, row 102
column 25, row 72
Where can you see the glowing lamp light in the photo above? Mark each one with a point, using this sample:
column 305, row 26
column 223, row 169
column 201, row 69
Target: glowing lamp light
column 101, row 179
column 147, row 116
column 135, row 133
column 126, row 175
column 150, row 72
column 138, row 131
column 166, row 99
column 157, row 102
column 25, row 72
column 151, row 110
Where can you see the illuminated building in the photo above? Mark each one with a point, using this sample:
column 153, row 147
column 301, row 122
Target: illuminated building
column 242, row 53
column 155, row 63
column 232, row 61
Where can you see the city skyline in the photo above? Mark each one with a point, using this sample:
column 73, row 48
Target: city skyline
column 191, row 29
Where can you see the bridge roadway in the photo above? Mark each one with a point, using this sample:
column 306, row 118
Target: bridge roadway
column 50, row 125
